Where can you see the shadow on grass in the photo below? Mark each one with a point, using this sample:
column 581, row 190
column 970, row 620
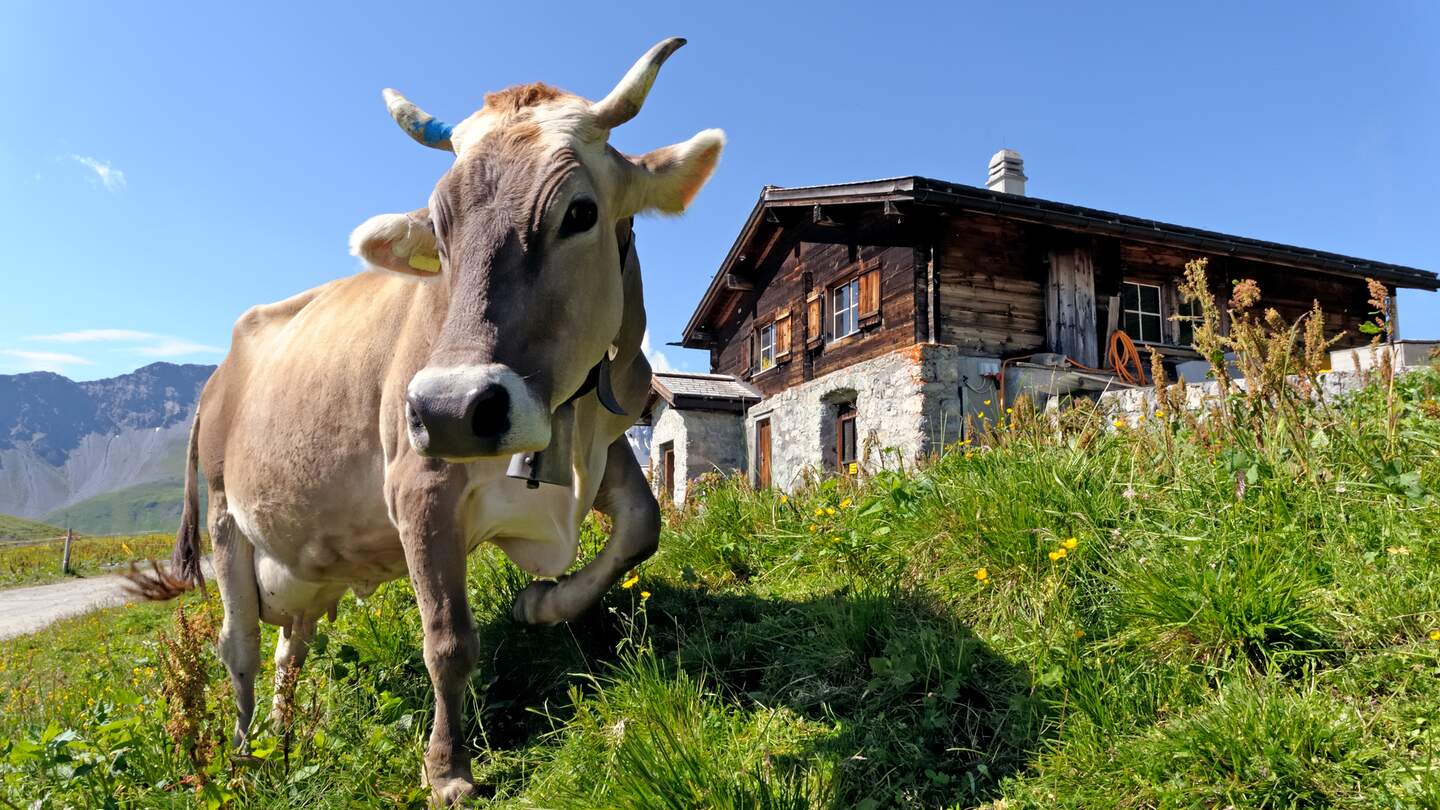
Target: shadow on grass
column 922, row 711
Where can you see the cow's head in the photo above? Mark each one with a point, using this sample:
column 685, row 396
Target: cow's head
column 522, row 231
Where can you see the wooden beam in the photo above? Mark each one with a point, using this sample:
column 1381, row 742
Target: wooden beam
column 734, row 282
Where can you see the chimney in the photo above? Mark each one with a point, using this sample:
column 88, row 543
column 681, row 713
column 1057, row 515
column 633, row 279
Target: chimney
column 1007, row 173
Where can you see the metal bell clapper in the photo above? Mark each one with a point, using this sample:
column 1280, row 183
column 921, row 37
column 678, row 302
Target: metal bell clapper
column 553, row 465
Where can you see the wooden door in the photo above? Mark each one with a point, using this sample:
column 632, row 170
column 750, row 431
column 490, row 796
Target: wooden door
column 762, row 454
column 669, row 467
column 846, row 461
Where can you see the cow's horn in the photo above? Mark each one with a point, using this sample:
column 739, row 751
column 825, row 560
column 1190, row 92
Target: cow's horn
column 417, row 123
column 629, row 95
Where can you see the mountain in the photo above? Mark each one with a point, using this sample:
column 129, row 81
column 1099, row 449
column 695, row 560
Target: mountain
column 63, row 442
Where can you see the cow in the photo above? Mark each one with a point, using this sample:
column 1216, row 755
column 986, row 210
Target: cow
column 385, row 424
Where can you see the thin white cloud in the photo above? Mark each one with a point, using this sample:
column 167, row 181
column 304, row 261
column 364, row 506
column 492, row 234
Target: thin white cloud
column 150, row 344
column 110, row 177
column 97, row 336
column 658, row 361
column 43, row 361
column 175, row 347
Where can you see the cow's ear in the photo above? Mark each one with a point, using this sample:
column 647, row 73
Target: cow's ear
column 673, row 175
column 403, row 243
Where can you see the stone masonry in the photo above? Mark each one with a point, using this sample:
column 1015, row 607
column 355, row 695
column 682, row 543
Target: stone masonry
column 906, row 403
column 705, row 441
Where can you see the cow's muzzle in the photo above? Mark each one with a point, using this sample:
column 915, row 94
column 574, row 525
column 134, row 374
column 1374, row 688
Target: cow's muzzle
column 473, row 412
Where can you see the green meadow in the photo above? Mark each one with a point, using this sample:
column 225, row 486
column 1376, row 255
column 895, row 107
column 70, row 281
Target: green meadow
column 1241, row 610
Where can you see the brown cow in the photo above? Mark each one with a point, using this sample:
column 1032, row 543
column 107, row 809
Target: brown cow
column 363, row 430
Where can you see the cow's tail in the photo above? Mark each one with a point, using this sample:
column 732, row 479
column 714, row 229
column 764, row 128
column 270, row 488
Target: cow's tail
column 184, row 573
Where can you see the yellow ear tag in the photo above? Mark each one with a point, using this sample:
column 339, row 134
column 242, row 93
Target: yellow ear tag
column 428, row 264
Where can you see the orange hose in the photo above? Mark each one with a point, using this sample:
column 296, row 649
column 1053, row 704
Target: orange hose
column 1121, row 355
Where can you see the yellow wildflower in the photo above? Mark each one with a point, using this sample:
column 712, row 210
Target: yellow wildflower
column 1057, row 554
column 1118, row 423
column 1070, row 543
column 1435, row 635
column 819, row 511
column 814, row 527
column 982, row 574
column 987, row 402
column 829, row 510
column 1009, row 410
column 1399, row 551
column 784, row 499
column 630, row 583
column 644, row 595
column 1159, row 414
column 845, row 504
column 1079, row 633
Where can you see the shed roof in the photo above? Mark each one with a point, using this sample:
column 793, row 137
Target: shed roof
column 759, row 227
column 677, row 387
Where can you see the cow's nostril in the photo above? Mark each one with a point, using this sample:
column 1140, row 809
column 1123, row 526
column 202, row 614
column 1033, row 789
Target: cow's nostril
column 490, row 412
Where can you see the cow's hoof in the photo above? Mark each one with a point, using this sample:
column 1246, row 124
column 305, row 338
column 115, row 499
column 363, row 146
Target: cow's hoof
column 452, row 792
column 529, row 605
column 449, row 791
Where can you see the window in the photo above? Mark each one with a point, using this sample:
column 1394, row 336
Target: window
column 1188, row 313
column 1140, row 304
column 767, row 347
column 846, row 298
column 845, row 460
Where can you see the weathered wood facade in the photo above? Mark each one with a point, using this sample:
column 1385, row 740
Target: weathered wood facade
column 991, row 274
column 913, row 294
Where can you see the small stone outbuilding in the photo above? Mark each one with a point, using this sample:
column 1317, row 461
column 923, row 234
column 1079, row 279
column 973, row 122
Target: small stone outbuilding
column 697, row 426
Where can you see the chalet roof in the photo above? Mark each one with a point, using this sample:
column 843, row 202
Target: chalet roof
column 764, row 221
column 671, row 385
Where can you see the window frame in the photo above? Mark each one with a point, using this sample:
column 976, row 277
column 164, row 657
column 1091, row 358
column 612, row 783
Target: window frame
column 1141, row 313
column 1187, row 314
column 851, row 288
column 762, row 348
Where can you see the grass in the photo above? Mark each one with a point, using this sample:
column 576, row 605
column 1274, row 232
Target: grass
column 39, row 563
column 14, row 529
column 1228, row 625
column 150, row 507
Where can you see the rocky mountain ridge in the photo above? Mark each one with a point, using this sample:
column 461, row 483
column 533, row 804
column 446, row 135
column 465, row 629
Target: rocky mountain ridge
column 63, row 441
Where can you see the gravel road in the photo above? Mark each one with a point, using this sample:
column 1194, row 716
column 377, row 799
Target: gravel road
column 26, row 610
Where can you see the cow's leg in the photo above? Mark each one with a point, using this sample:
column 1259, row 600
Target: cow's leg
column 290, row 651
column 424, row 508
column 625, row 496
column 234, row 559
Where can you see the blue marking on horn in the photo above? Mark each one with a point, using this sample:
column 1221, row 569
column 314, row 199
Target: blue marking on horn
column 435, row 132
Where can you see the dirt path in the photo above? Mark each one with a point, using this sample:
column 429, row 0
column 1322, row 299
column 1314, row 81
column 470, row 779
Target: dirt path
column 26, row 610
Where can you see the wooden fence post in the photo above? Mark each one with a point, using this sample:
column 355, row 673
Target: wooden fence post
column 65, row 559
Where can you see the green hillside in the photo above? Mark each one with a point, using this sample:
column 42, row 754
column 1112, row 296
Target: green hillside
column 1241, row 611
column 152, row 507
column 14, row 529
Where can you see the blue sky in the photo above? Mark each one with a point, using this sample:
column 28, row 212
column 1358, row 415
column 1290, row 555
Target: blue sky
column 164, row 166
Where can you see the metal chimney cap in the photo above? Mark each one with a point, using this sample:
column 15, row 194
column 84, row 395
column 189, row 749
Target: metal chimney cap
column 1007, row 172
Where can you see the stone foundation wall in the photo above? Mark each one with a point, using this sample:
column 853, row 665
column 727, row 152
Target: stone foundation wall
column 906, row 403
column 1130, row 403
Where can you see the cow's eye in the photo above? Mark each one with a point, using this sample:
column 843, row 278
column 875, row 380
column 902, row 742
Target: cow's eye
column 579, row 217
